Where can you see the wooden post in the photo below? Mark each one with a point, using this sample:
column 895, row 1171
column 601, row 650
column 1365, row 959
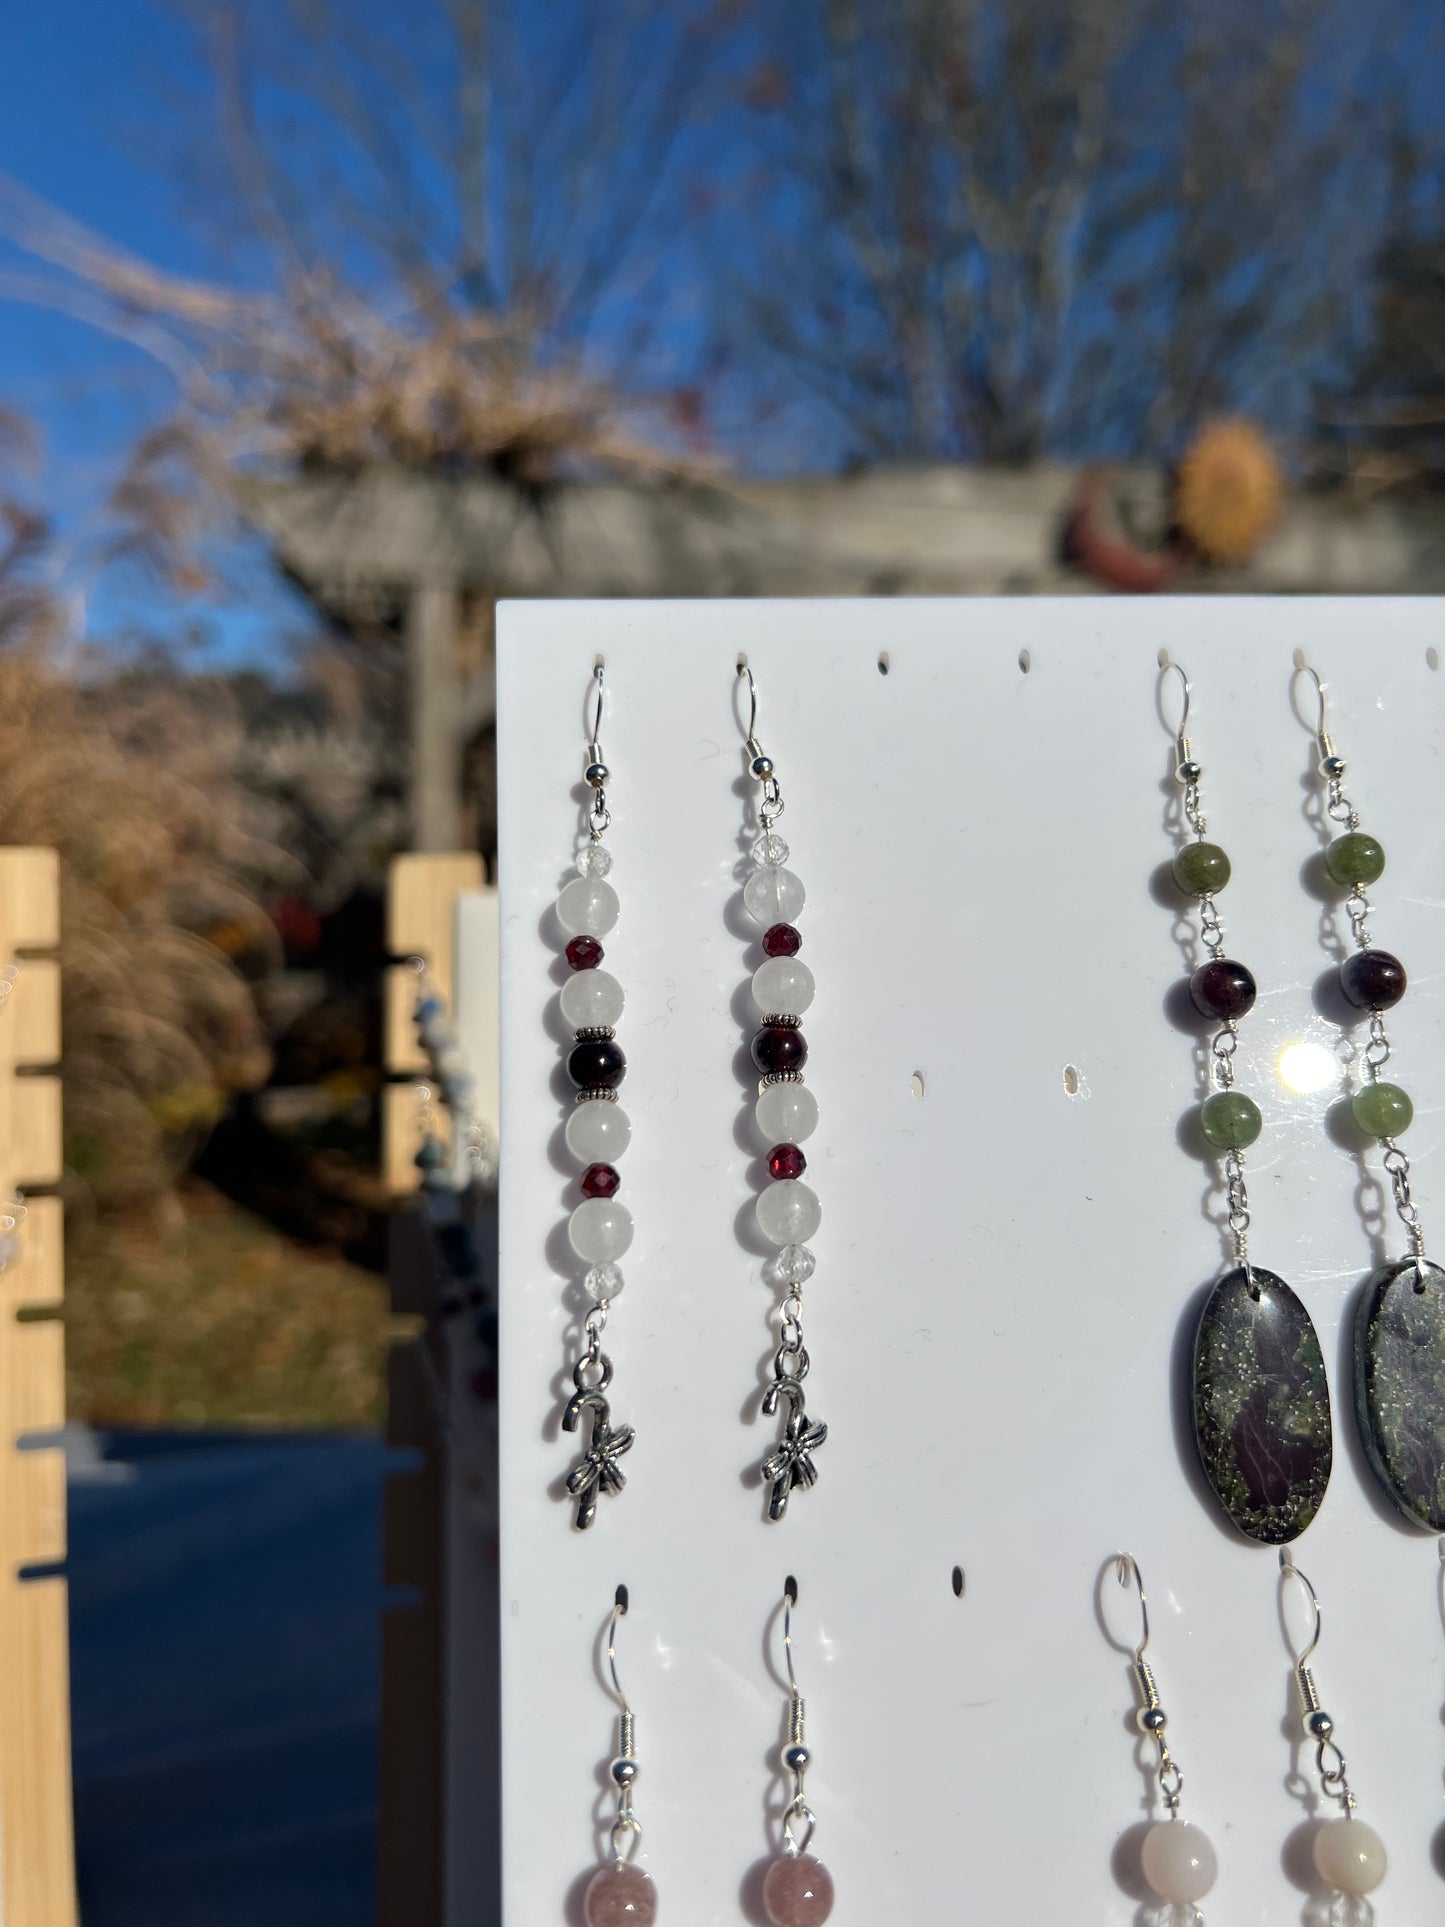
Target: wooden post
column 436, row 723
column 37, row 1857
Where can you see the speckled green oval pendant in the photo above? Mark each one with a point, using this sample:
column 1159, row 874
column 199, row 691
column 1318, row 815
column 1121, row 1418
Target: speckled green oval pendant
column 1262, row 1406
column 1400, row 1387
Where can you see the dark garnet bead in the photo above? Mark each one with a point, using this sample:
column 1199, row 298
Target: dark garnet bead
column 1222, row 989
column 779, row 1047
column 584, row 953
column 786, row 1161
column 597, row 1064
column 1372, row 979
column 782, row 941
column 599, row 1181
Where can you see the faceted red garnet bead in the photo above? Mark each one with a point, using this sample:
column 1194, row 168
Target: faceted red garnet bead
column 782, row 941
column 584, row 953
column 786, row 1161
column 599, row 1181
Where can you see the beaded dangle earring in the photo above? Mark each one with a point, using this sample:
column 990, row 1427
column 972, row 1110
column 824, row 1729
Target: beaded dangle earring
column 788, row 1212
column 1349, row 1855
column 797, row 1888
column 1176, row 1857
column 600, row 1227
column 1261, row 1406
column 1399, row 1363
column 621, row 1894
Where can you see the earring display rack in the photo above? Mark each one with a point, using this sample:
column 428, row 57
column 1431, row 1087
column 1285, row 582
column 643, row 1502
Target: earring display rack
column 1018, row 1232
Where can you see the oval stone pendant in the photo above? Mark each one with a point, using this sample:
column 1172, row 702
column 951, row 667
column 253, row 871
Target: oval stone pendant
column 1262, row 1406
column 1400, row 1387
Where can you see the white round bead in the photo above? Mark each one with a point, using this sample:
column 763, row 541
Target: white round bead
column 591, row 1000
column 786, row 1114
column 772, row 895
column 587, row 907
column 782, row 987
column 788, row 1212
column 594, row 861
column 598, row 1132
column 603, row 1282
column 600, row 1230
column 1178, row 1861
column 1350, row 1856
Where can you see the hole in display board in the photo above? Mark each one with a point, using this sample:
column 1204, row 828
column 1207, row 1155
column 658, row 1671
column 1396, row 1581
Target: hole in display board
column 1432, row 657
column 884, row 664
column 1072, row 1080
column 957, row 1582
column 915, row 1083
column 790, row 1590
column 621, row 1600
column 1026, row 661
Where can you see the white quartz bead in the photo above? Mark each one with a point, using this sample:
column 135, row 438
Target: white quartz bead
column 773, row 895
column 788, row 1212
column 1350, row 1856
column 598, row 1132
column 782, row 987
column 600, row 1230
column 587, row 907
column 794, row 1265
column 603, row 1282
column 770, row 848
column 786, row 1114
column 1178, row 1861
column 591, row 1000
column 594, row 861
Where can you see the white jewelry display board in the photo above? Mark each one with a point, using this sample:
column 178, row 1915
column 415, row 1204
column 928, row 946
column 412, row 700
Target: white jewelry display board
column 1016, row 1237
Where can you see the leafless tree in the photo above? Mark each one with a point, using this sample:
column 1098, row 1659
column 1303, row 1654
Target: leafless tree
column 1050, row 224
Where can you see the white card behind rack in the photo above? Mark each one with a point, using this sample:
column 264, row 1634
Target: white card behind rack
column 1006, row 1261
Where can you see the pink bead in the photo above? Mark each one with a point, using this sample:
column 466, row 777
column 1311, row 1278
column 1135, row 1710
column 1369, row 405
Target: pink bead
column 798, row 1891
column 620, row 1896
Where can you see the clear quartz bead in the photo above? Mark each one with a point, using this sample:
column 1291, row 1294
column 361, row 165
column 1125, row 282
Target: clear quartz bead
column 788, row 1212
column 600, row 1230
column 594, row 861
column 794, row 1265
column 603, row 1282
column 587, row 907
column 591, row 1000
column 771, row 850
column 773, row 895
column 597, row 1133
column 782, row 987
column 786, row 1114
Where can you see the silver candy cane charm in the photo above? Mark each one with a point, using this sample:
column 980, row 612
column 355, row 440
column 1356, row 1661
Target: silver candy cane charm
column 790, row 1462
column 597, row 1471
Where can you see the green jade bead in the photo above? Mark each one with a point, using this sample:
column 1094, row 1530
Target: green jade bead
column 1382, row 1110
column 1230, row 1120
column 1354, row 859
column 1200, row 869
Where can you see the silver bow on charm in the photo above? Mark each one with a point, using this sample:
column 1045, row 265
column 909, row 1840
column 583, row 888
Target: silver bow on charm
column 790, row 1463
column 597, row 1471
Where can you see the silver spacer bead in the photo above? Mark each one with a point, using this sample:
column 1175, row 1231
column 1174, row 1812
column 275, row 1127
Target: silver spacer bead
column 595, row 1034
column 762, row 767
column 598, row 775
column 1188, row 773
column 624, row 1771
column 777, row 1020
column 599, row 1094
column 797, row 1758
column 1332, row 766
column 779, row 1077
column 1319, row 1725
column 1153, row 1719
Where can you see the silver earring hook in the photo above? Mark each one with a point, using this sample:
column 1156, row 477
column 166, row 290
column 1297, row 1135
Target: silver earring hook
column 790, row 1599
column 1186, row 770
column 1126, row 1567
column 1332, row 764
column 595, row 733
column 1289, row 1570
column 745, row 669
column 619, row 1611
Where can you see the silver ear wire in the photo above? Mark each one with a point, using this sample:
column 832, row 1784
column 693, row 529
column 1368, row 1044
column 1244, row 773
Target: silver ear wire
column 797, row 1755
column 623, row 1767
